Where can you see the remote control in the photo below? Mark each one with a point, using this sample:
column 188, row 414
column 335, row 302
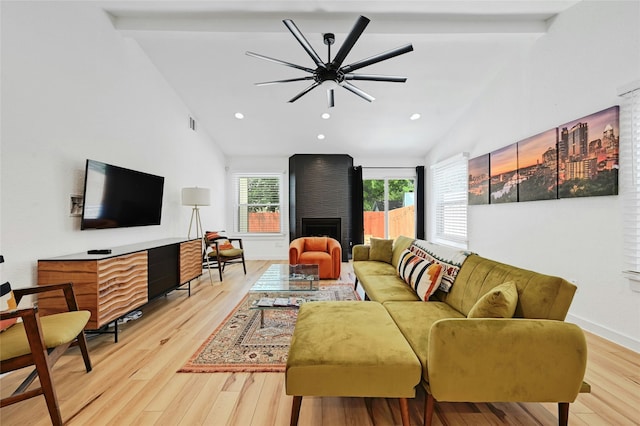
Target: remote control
column 100, row 251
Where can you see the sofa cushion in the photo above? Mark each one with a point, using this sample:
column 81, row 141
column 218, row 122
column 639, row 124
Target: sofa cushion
column 422, row 275
column 368, row 267
column 499, row 302
column 315, row 244
column 382, row 288
column 381, row 250
column 406, row 314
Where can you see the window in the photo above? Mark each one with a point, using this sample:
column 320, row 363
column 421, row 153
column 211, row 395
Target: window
column 630, row 178
column 449, row 182
column 389, row 207
column 258, row 204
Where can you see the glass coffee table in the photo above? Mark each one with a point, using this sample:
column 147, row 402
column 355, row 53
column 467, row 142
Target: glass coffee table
column 277, row 287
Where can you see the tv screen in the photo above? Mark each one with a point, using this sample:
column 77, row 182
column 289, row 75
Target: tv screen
column 116, row 197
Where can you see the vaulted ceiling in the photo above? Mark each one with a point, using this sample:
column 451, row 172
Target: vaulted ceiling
column 459, row 47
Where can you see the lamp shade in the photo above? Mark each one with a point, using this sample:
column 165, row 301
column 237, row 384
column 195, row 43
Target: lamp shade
column 196, row 196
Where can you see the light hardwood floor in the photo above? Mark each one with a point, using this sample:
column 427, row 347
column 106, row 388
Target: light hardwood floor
column 134, row 382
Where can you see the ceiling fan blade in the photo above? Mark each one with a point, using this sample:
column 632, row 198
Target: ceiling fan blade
column 350, row 87
column 377, row 58
column 373, row 77
column 304, row 92
column 266, row 83
column 278, row 61
column 330, row 99
column 303, row 41
column 350, row 41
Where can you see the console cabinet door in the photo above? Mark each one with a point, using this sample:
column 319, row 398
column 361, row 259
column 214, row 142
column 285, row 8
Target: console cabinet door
column 108, row 288
column 190, row 260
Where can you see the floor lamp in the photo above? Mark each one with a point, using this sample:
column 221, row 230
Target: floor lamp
column 197, row 197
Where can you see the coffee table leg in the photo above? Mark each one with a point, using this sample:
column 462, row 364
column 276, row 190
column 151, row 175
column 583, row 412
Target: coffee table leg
column 262, row 318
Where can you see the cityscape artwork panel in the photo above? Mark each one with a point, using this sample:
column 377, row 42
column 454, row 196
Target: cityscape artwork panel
column 479, row 180
column 578, row 159
column 504, row 174
column 538, row 167
column 588, row 155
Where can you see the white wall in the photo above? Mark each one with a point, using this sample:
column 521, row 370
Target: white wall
column 590, row 50
column 72, row 89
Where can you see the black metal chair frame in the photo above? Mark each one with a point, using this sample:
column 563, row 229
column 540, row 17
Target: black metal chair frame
column 220, row 261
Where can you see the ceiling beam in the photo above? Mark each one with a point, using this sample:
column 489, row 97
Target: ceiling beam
column 320, row 22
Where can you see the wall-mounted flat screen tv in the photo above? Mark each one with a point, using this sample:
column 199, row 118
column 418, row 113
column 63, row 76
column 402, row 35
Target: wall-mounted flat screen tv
column 116, row 197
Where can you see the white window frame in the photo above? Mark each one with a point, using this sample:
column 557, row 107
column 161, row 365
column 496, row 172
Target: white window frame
column 449, row 200
column 238, row 204
column 630, row 179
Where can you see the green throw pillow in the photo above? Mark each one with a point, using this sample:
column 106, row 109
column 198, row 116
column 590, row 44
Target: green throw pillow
column 381, row 250
column 499, row 302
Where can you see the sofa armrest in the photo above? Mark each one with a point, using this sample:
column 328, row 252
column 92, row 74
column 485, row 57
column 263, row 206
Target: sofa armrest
column 485, row 360
column 296, row 247
column 360, row 252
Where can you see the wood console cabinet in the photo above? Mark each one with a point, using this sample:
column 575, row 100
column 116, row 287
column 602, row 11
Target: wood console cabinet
column 112, row 285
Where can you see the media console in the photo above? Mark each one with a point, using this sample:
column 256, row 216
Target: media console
column 112, row 285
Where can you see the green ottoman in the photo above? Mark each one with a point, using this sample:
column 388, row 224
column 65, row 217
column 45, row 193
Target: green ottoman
column 351, row 349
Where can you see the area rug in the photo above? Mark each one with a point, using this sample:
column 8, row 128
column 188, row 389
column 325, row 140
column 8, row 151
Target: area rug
column 241, row 344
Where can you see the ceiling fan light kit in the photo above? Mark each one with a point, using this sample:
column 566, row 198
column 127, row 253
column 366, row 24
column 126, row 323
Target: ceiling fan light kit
column 332, row 74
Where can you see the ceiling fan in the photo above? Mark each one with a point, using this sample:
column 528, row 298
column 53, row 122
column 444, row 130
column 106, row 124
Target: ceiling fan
column 332, row 73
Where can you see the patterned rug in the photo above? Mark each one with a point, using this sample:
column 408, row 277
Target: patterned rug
column 240, row 343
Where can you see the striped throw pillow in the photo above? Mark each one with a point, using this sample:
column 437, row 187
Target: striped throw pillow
column 422, row 275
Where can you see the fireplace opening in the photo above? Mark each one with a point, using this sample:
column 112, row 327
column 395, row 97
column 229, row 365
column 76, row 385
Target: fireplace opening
column 322, row 227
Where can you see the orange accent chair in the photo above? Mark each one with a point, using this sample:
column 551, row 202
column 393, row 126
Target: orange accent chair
column 322, row 251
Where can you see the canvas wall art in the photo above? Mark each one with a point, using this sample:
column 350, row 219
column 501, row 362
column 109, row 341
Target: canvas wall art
column 538, row 167
column 588, row 155
column 504, row 174
column 479, row 180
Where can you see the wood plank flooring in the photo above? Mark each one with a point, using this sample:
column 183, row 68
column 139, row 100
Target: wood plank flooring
column 134, row 382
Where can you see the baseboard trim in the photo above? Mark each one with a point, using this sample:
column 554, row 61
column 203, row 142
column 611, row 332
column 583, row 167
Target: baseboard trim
column 606, row 333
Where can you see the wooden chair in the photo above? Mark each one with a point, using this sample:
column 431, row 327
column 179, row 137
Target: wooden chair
column 220, row 251
column 40, row 341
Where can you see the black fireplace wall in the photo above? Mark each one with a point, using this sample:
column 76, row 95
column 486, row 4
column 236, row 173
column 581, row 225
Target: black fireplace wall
column 320, row 188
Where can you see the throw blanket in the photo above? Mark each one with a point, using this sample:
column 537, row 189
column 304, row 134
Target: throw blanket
column 450, row 258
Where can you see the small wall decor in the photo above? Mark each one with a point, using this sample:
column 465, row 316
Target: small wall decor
column 479, row 180
column 578, row 159
column 504, row 174
column 588, row 155
column 538, row 167
column 76, row 204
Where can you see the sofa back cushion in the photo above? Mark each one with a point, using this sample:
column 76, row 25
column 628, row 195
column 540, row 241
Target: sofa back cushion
column 400, row 244
column 315, row 244
column 381, row 250
column 539, row 296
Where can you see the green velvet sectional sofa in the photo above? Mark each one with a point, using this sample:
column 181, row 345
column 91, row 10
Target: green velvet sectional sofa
column 533, row 356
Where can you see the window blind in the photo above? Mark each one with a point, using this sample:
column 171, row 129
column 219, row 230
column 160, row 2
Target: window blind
column 449, row 184
column 630, row 179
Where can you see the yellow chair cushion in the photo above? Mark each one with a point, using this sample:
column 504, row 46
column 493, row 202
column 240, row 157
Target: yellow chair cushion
column 233, row 252
column 57, row 329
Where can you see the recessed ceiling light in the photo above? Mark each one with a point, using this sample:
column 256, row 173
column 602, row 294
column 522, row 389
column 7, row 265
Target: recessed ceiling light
column 239, row 115
column 414, row 116
column 325, row 115
column 321, row 136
